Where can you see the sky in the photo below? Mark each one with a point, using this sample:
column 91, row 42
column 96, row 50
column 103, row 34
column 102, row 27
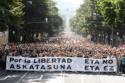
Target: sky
column 68, row 7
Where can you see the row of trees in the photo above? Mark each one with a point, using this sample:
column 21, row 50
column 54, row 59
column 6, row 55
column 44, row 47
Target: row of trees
column 103, row 19
column 25, row 18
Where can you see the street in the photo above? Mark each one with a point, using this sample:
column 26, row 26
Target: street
column 41, row 77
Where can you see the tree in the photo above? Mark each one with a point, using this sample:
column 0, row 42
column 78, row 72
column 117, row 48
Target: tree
column 55, row 24
column 41, row 16
column 79, row 22
column 113, row 15
column 11, row 12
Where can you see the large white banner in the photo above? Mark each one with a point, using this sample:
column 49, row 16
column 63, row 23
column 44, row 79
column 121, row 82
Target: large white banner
column 61, row 64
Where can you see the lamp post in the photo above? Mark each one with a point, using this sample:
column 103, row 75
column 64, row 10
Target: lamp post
column 13, row 35
column 117, row 37
column 112, row 36
column 93, row 16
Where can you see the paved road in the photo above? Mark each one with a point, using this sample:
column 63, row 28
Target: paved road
column 40, row 77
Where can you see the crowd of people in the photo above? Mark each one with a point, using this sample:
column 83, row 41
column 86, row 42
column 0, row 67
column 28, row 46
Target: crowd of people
column 62, row 47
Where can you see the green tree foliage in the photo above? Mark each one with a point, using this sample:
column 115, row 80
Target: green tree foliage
column 101, row 18
column 55, row 24
column 112, row 12
column 79, row 21
column 10, row 13
column 52, row 9
column 3, row 14
column 16, row 10
column 54, row 20
column 41, row 16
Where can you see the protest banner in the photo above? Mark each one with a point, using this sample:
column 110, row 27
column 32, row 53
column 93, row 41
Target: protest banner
column 61, row 64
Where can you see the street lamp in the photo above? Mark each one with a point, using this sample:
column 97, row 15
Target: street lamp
column 30, row 2
column 46, row 20
column 112, row 36
column 13, row 32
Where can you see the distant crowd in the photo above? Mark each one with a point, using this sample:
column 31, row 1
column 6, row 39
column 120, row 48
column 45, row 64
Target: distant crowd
column 62, row 47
